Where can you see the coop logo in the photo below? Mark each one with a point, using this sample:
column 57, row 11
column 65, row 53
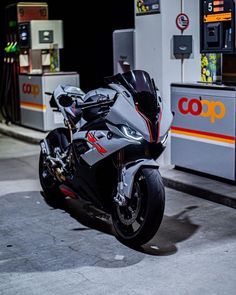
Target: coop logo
column 214, row 110
column 31, row 89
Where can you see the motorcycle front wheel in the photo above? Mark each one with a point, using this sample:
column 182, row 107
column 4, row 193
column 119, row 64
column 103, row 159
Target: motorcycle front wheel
column 136, row 223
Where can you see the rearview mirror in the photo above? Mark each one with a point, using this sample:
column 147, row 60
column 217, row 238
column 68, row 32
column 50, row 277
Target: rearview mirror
column 65, row 101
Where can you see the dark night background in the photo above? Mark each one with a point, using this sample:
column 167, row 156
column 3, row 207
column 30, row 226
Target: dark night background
column 88, row 27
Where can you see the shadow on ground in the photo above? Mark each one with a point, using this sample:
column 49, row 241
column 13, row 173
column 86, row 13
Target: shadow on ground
column 34, row 237
column 174, row 229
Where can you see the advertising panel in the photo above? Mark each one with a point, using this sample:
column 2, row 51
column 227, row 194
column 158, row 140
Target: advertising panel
column 147, row 7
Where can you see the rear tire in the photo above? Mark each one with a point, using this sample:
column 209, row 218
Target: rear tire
column 138, row 222
column 50, row 184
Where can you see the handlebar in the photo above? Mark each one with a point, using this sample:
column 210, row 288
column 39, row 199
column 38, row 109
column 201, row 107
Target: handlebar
column 67, row 101
column 94, row 104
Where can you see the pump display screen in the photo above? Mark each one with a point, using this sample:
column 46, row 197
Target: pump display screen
column 147, row 6
column 24, row 35
column 217, row 6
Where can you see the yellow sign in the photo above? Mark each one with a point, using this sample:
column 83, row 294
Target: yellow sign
column 219, row 17
column 147, row 6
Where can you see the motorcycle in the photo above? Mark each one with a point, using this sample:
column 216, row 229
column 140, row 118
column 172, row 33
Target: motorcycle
column 107, row 153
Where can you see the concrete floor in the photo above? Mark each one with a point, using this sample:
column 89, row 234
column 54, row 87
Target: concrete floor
column 46, row 251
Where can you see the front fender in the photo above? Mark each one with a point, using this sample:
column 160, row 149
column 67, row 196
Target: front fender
column 130, row 173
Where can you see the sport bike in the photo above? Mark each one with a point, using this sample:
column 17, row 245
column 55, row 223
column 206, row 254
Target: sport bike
column 107, row 153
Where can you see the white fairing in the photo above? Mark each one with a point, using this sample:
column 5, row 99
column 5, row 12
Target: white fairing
column 123, row 112
column 166, row 120
column 110, row 146
column 121, row 115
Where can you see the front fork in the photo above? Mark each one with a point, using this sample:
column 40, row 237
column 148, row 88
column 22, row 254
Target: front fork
column 127, row 175
column 120, row 196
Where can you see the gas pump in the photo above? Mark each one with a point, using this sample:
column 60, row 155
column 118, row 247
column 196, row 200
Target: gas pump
column 217, row 26
column 9, row 92
column 217, row 30
column 203, row 135
column 40, row 42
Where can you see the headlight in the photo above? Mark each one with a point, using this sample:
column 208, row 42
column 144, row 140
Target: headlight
column 164, row 140
column 131, row 133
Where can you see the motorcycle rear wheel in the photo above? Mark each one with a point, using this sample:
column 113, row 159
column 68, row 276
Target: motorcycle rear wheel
column 50, row 185
column 52, row 195
column 138, row 222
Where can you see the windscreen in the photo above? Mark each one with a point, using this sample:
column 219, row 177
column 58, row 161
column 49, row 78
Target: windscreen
column 140, row 81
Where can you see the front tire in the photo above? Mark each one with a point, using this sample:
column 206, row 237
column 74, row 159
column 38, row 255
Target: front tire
column 138, row 222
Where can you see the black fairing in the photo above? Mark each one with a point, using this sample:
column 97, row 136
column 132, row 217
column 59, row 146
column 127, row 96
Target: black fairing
column 96, row 183
column 97, row 124
column 146, row 150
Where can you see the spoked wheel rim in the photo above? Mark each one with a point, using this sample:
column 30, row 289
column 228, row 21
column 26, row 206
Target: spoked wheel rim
column 129, row 219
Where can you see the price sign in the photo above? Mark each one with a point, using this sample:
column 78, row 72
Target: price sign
column 182, row 21
column 215, row 6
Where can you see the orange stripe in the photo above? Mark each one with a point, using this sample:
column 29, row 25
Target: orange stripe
column 219, row 2
column 219, row 17
column 33, row 105
column 217, row 9
column 203, row 135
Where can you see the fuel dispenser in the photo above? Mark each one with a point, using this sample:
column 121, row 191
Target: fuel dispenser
column 40, row 43
column 217, row 26
column 9, row 88
column 218, row 35
column 204, row 129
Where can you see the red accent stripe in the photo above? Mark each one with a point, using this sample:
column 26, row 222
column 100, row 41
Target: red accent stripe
column 67, row 193
column 203, row 133
column 91, row 138
column 100, row 148
column 159, row 127
column 148, row 123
